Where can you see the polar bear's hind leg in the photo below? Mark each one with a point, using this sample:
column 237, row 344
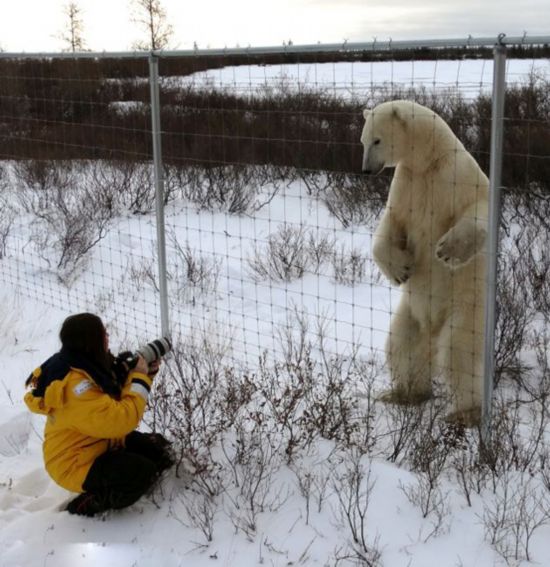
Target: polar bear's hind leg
column 461, row 360
column 408, row 352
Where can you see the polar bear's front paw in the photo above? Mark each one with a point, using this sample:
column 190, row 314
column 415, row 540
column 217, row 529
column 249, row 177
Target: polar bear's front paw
column 458, row 246
column 401, row 274
column 397, row 267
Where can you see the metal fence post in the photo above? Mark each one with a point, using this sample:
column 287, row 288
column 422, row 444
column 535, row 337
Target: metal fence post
column 495, row 171
column 159, row 191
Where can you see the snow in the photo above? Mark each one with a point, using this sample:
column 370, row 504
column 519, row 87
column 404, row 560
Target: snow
column 244, row 314
column 123, row 107
column 360, row 79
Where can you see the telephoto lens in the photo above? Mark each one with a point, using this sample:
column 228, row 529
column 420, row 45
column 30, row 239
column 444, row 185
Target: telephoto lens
column 155, row 349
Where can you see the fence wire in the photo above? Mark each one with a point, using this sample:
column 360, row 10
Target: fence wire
column 269, row 220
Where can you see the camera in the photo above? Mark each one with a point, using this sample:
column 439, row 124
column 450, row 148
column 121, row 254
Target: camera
column 127, row 360
column 154, row 350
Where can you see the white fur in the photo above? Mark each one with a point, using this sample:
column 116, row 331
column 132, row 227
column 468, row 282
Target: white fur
column 431, row 241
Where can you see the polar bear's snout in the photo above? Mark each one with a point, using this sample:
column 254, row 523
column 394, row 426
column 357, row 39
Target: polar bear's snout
column 371, row 163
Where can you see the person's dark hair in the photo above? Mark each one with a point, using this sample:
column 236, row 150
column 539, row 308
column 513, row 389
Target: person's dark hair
column 83, row 346
column 84, row 333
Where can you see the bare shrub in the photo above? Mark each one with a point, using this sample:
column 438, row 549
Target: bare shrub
column 349, row 266
column 236, row 189
column 331, row 401
column 252, row 459
column 7, row 216
column 308, row 128
column 200, row 508
column 285, row 258
column 182, row 181
column 527, row 134
column 539, row 391
column 332, row 406
column 187, row 405
column 311, row 393
column 295, row 343
column 435, row 439
column 139, row 195
column 519, row 508
column 515, row 306
column 271, row 180
column 316, row 182
column 428, row 449
column 192, row 275
column 404, row 421
column 351, row 201
column 304, row 478
column 231, row 188
column 69, row 219
column 4, row 179
column 518, row 425
column 36, row 180
column 144, row 274
column 291, row 252
column 532, row 214
column 427, row 495
column 354, row 489
column 428, row 455
column 320, row 249
column 468, row 466
column 111, row 181
column 313, row 479
column 123, row 186
column 284, row 388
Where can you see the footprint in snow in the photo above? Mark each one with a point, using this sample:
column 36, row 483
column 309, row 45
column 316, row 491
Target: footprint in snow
column 14, row 434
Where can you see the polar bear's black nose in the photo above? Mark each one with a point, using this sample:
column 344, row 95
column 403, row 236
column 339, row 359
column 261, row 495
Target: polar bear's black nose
column 367, row 171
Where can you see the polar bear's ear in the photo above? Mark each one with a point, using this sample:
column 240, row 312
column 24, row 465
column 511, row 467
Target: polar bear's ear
column 398, row 115
column 366, row 113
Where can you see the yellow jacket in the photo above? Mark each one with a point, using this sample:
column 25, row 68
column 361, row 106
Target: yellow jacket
column 82, row 420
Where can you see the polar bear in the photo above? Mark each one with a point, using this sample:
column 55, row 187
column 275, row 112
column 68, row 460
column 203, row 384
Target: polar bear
column 431, row 242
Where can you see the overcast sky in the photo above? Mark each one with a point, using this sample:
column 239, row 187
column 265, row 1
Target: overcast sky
column 33, row 25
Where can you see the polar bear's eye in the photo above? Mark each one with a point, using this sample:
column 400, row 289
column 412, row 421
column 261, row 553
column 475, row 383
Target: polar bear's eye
column 376, row 142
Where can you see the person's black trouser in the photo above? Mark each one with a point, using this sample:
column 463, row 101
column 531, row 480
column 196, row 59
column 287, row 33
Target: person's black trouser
column 119, row 478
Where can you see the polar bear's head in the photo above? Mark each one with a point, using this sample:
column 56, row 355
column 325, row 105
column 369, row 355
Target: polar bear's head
column 402, row 131
column 382, row 137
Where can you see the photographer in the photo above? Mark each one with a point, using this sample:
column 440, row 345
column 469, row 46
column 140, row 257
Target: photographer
column 90, row 445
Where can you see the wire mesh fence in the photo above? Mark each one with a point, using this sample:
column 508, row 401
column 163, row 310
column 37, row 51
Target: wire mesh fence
column 269, row 221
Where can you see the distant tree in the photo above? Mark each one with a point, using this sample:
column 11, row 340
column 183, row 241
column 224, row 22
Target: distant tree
column 73, row 33
column 152, row 17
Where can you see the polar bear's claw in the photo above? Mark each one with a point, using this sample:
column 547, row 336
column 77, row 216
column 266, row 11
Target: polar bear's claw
column 404, row 277
column 405, row 396
column 460, row 244
column 467, row 418
column 401, row 274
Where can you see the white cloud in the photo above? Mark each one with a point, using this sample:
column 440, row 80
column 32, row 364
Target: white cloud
column 32, row 25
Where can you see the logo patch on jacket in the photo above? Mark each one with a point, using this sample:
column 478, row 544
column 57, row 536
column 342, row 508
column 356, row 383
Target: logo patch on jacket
column 82, row 387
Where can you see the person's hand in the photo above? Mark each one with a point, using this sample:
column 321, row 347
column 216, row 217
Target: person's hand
column 153, row 368
column 141, row 365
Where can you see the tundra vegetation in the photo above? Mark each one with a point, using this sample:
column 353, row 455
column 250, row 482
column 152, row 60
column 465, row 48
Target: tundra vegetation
column 311, row 411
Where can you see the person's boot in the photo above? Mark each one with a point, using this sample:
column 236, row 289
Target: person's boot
column 85, row 504
column 165, row 454
column 167, row 458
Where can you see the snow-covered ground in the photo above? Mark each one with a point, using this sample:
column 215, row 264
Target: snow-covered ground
column 35, row 531
column 360, row 80
column 247, row 315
